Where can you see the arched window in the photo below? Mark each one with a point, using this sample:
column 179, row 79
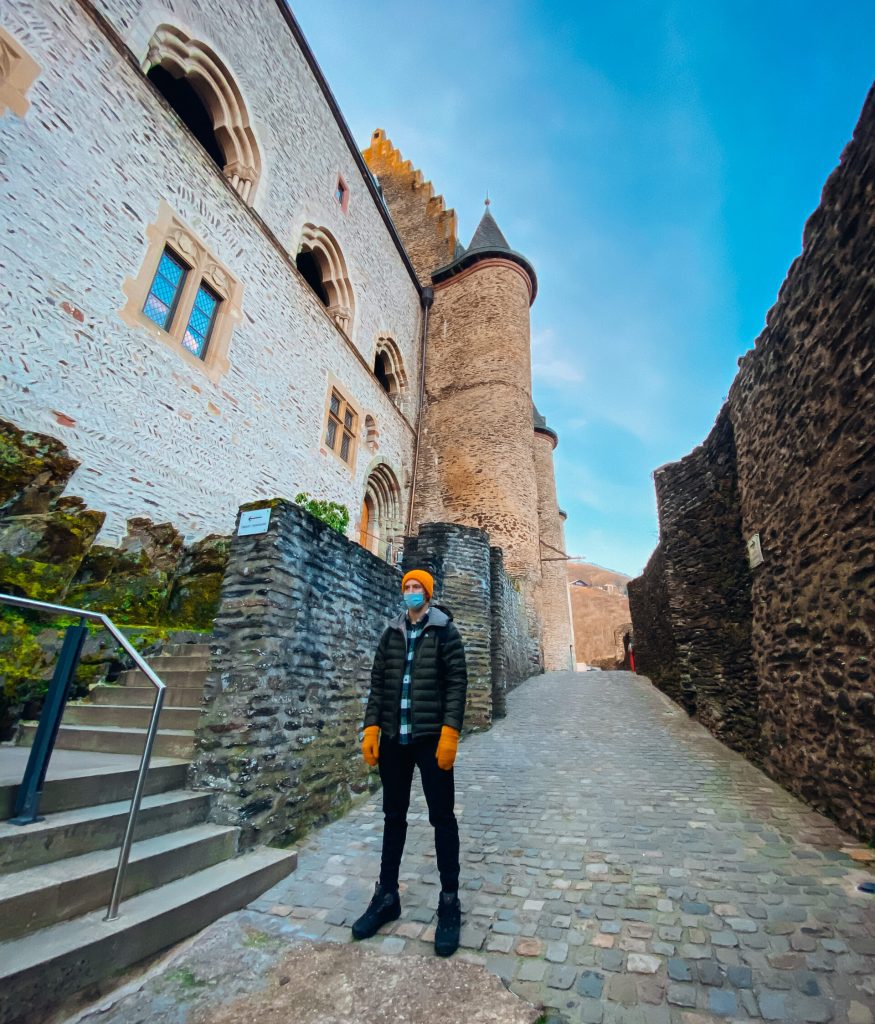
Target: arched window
column 202, row 91
column 323, row 267
column 389, row 369
column 380, row 529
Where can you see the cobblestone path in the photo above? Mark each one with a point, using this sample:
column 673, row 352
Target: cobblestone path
column 618, row 864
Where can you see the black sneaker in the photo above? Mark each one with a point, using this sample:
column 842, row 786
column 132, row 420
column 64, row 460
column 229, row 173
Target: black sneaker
column 384, row 907
column 446, row 936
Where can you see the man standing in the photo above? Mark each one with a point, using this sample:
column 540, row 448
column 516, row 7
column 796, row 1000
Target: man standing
column 413, row 718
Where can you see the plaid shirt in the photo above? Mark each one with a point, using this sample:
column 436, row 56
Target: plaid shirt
column 414, row 632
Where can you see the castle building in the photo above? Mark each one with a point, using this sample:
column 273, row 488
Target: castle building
column 212, row 296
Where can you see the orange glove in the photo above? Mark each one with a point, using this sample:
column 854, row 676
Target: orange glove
column 371, row 745
column 447, row 746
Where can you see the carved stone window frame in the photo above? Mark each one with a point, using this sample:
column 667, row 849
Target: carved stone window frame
column 18, row 71
column 170, row 231
column 334, row 386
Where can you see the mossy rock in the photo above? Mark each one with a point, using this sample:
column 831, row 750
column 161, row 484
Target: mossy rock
column 34, row 470
column 41, row 554
column 126, row 599
column 195, row 601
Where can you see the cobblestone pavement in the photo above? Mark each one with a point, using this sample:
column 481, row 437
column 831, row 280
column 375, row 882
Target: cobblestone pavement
column 618, row 865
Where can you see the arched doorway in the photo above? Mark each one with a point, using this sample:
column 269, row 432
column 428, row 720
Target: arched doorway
column 380, row 526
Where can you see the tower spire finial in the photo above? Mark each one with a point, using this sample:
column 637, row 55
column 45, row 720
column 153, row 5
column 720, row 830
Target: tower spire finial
column 488, row 200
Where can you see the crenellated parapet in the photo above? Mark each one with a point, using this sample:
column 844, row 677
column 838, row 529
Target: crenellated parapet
column 427, row 228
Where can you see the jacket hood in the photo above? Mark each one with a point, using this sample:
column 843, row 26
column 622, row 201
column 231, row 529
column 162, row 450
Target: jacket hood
column 438, row 615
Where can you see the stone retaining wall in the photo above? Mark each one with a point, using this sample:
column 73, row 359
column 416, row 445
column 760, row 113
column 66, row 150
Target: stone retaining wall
column 655, row 651
column 801, row 412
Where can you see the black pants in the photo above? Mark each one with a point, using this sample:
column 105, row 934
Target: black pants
column 396, row 773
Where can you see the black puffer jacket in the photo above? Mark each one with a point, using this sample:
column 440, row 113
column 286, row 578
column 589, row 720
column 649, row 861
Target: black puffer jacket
column 438, row 682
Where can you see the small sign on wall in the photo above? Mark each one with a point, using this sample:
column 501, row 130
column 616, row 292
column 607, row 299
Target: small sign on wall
column 754, row 551
column 256, row 521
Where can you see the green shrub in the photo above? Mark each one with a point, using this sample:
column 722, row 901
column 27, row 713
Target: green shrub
column 330, row 512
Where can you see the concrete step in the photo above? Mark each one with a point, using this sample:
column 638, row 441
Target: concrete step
column 38, row 970
column 175, row 697
column 186, row 651
column 43, row 896
column 86, row 829
column 172, row 678
column 101, row 785
column 180, row 663
column 127, row 717
column 116, row 740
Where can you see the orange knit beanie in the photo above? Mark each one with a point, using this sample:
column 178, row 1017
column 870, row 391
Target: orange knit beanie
column 421, row 576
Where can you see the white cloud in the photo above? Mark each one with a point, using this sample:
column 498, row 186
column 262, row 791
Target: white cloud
column 551, row 364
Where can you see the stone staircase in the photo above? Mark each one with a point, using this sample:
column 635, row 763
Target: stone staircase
column 56, row 875
column 113, row 718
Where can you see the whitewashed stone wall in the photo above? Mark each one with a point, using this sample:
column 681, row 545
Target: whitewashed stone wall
column 85, row 171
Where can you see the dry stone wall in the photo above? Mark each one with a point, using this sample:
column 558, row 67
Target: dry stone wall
column 801, row 412
column 301, row 613
column 88, row 165
column 515, row 654
column 654, row 644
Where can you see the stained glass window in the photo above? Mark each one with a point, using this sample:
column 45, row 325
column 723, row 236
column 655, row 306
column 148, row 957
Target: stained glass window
column 165, row 289
column 200, row 323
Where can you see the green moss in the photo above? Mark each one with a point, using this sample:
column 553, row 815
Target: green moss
column 195, row 601
column 261, row 940
column 185, row 979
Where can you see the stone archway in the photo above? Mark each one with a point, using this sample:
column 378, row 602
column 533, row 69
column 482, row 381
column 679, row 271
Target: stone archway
column 320, row 260
column 183, row 58
column 380, row 529
column 389, row 369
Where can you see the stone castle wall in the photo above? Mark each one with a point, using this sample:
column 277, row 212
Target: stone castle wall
column 801, row 412
column 426, row 227
column 515, row 653
column 655, row 648
column 302, row 610
column 556, row 637
column 88, row 165
column 708, row 583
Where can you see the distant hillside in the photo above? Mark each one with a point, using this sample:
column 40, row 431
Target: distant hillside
column 600, row 607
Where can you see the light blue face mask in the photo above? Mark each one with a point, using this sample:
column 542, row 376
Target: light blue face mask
column 413, row 601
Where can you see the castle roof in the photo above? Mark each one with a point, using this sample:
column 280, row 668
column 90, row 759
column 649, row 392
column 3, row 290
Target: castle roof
column 539, row 423
column 487, row 242
column 488, row 234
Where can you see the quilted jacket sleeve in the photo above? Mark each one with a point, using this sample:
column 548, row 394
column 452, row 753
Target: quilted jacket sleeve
column 455, row 673
column 378, row 677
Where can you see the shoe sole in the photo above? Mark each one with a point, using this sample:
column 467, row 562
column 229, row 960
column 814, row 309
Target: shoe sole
column 370, row 935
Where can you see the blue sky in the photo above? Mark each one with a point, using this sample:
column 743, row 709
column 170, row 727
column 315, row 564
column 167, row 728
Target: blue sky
column 656, row 161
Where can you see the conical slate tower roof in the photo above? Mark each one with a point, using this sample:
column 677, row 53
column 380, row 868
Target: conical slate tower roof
column 539, row 422
column 488, row 234
column 488, row 241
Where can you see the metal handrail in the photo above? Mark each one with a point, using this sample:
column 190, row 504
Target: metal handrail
column 82, row 613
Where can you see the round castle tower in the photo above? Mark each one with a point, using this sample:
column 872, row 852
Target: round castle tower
column 476, row 463
column 557, row 638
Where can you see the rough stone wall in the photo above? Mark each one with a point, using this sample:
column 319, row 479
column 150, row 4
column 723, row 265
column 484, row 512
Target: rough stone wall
column 802, row 409
column 88, row 165
column 301, row 613
column 515, row 656
column 458, row 558
column 655, row 648
column 478, row 407
column 708, row 584
column 556, row 636
column 426, row 227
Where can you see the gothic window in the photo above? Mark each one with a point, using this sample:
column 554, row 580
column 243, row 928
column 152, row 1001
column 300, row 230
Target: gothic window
column 204, row 94
column 323, row 267
column 340, row 427
column 341, row 193
column 389, row 369
column 184, row 296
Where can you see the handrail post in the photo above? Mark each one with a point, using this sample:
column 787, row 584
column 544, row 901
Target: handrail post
column 29, row 792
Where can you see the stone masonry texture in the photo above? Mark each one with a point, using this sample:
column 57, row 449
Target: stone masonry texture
column 427, row 229
column 556, row 638
column 801, row 412
column 301, row 612
column 619, row 864
column 88, row 165
column 515, row 655
column 478, row 406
